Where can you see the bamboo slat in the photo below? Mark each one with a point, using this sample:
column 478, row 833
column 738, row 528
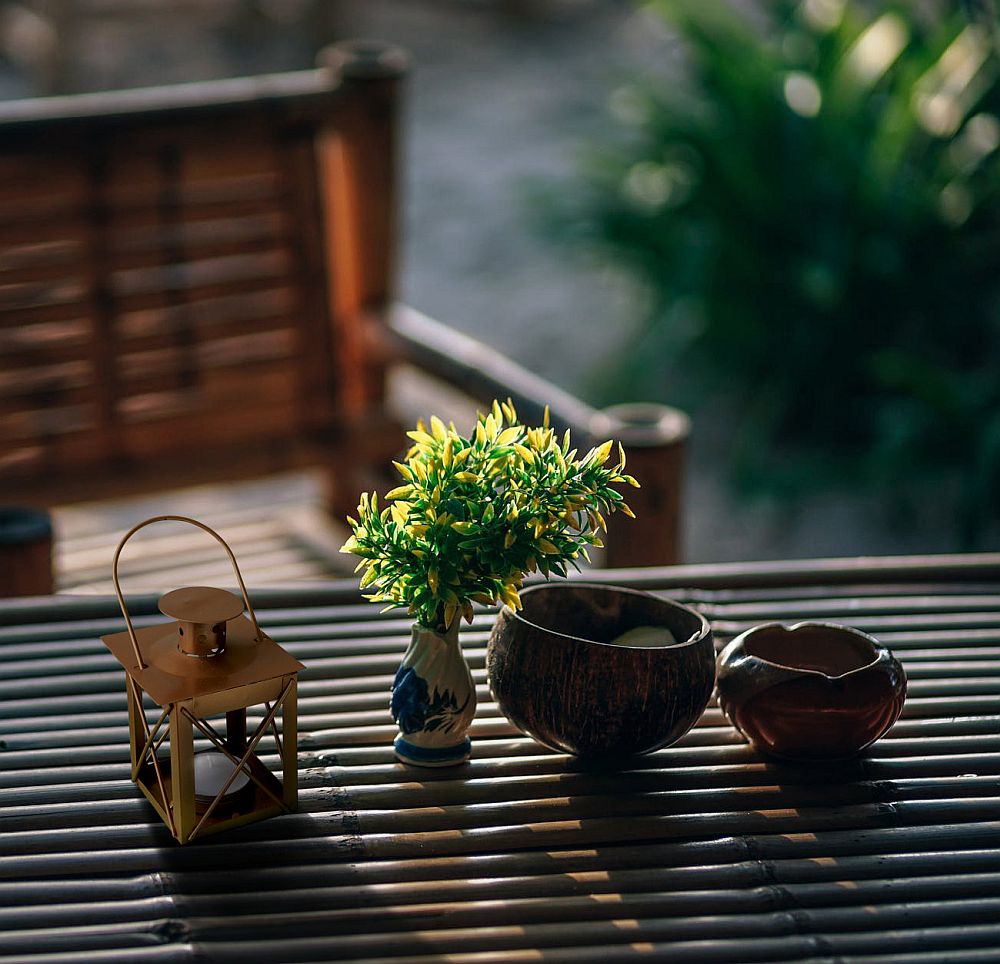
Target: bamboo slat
column 222, row 203
column 703, row 851
column 35, row 345
column 43, row 313
column 240, row 308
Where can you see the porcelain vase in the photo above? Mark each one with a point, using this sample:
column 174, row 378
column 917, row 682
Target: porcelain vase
column 433, row 700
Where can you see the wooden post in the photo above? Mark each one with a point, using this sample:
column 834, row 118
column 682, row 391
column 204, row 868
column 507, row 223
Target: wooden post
column 357, row 163
column 25, row 552
column 654, row 438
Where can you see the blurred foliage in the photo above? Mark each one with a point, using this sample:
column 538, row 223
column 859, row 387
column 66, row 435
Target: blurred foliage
column 812, row 211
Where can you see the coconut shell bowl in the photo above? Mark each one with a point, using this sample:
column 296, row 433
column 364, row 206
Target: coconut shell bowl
column 812, row 691
column 599, row 671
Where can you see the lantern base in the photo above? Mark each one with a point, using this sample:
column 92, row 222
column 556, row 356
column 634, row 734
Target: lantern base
column 249, row 805
column 422, row 756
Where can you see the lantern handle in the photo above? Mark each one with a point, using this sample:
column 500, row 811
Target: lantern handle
column 201, row 525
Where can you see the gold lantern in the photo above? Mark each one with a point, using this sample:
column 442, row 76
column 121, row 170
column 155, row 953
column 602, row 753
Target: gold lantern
column 211, row 662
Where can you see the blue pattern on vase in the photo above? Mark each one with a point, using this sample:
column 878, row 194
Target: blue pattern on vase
column 410, row 701
column 413, row 709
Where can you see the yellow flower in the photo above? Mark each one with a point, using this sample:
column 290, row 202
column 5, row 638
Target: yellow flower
column 421, row 438
column 600, row 455
column 526, row 454
column 509, row 595
column 437, row 427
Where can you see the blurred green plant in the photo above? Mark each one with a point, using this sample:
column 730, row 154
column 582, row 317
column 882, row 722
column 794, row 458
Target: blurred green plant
column 475, row 514
column 813, row 214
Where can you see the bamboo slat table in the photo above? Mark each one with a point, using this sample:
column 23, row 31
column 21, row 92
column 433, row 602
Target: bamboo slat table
column 700, row 852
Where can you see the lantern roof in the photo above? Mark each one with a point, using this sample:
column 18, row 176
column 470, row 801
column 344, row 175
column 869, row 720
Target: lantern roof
column 201, row 604
column 170, row 675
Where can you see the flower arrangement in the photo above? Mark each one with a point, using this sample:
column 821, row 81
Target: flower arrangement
column 475, row 515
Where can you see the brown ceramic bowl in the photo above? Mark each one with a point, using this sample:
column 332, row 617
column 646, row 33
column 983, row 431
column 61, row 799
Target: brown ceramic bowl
column 810, row 691
column 556, row 675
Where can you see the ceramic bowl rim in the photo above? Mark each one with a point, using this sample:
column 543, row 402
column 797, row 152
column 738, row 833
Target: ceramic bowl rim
column 879, row 651
column 698, row 636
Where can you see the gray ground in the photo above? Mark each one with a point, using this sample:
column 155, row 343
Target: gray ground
column 498, row 97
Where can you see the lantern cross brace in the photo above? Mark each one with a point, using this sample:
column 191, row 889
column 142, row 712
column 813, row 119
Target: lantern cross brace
column 241, row 764
column 274, row 730
column 141, row 715
column 208, row 730
column 151, row 745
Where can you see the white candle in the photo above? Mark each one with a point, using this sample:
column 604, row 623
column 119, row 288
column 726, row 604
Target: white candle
column 212, row 771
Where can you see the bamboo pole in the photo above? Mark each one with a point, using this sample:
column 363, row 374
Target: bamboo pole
column 520, row 874
column 765, row 937
column 318, row 859
column 889, row 902
column 489, row 807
